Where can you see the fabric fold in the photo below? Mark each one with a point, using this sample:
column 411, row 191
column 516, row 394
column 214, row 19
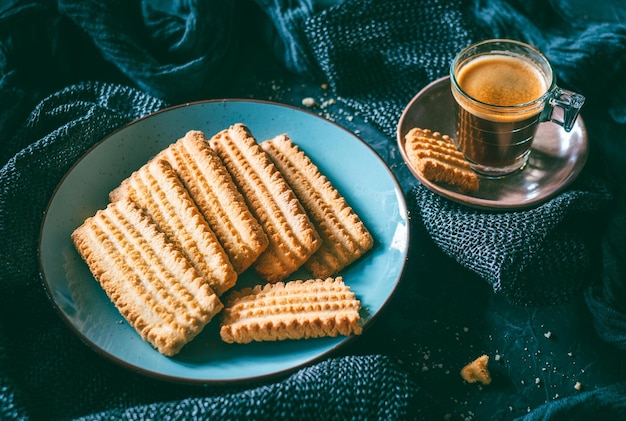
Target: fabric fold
column 540, row 256
column 606, row 298
column 605, row 403
column 284, row 32
column 176, row 51
column 351, row 387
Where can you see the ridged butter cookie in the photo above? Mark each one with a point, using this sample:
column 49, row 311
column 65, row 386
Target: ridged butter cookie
column 292, row 236
column 344, row 236
column 158, row 189
column 290, row 310
column 436, row 157
column 152, row 284
column 211, row 187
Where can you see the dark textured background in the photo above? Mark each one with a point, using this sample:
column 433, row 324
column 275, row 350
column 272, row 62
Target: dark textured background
column 442, row 316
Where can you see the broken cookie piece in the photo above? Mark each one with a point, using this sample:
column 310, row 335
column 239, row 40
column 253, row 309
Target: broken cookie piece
column 477, row 371
column 290, row 310
column 435, row 157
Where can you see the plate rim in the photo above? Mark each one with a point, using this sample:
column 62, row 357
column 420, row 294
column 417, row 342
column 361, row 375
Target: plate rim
column 343, row 341
column 477, row 202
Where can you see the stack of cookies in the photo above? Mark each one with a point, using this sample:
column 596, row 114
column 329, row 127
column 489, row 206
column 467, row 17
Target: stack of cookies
column 179, row 231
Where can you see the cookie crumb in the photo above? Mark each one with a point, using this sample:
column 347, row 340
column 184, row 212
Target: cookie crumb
column 309, row 102
column 578, row 386
column 477, row 371
column 548, row 334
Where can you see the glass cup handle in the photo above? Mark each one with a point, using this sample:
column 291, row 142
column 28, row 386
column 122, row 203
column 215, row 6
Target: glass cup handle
column 569, row 101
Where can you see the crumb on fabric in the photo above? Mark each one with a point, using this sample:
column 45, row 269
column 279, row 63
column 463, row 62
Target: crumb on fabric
column 477, row 371
column 309, row 102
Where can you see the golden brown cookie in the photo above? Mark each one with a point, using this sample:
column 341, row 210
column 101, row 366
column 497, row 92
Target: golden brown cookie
column 477, row 371
column 437, row 159
column 291, row 310
column 157, row 188
column 292, row 236
column 152, row 284
column 344, row 236
column 211, row 187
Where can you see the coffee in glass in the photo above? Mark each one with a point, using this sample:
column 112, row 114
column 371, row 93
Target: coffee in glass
column 503, row 90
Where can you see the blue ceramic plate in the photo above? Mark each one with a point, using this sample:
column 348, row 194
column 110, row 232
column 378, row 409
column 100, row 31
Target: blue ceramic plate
column 353, row 168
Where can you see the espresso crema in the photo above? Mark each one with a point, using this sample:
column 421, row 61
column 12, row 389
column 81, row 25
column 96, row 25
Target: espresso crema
column 501, row 80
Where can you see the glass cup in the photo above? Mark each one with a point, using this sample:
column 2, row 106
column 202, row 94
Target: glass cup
column 504, row 89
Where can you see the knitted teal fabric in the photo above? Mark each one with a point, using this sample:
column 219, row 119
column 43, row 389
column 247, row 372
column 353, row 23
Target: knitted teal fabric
column 375, row 54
